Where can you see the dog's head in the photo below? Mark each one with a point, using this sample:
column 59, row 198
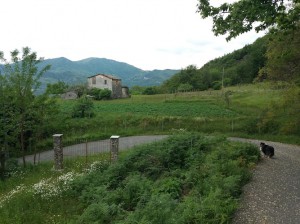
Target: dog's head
column 262, row 144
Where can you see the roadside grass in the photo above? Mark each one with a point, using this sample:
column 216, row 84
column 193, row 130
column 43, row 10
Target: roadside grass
column 38, row 193
column 187, row 178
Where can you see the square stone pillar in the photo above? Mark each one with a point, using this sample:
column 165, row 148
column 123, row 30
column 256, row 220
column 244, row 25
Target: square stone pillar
column 114, row 148
column 58, row 151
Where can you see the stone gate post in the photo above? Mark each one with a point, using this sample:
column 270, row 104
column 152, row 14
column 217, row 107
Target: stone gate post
column 58, row 151
column 114, row 148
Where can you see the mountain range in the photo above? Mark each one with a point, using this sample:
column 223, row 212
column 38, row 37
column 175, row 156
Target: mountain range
column 76, row 72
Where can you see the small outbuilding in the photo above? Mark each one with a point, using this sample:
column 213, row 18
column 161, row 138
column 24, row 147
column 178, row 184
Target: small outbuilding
column 71, row 95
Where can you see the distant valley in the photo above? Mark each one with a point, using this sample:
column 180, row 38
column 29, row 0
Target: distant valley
column 75, row 72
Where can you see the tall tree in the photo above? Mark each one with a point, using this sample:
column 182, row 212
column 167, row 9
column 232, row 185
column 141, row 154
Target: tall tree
column 22, row 77
column 283, row 56
column 244, row 15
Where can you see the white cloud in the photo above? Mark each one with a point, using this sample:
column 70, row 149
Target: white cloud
column 149, row 34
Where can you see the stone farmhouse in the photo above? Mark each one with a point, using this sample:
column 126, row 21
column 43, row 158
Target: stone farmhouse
column 114, row 84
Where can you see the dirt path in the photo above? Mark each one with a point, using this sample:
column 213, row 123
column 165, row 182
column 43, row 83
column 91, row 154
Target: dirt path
column 273, row 195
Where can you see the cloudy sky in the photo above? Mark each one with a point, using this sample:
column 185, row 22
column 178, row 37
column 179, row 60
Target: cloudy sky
column 149, row 34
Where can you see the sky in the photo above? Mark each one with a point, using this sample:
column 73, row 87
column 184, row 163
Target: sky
column 148, row 34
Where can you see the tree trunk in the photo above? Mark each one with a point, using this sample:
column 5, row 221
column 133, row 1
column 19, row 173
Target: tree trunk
column 22, row 141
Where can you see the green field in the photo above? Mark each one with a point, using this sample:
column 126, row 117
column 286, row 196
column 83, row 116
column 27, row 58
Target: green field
column 196, row 176
column 249, row 111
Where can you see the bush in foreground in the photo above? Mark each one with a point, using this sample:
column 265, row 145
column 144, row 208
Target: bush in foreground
column 188, row 178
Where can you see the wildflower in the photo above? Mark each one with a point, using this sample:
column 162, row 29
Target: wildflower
column 10, row 194
column 54, row 187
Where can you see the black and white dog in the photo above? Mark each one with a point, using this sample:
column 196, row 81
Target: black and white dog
column 267, row 150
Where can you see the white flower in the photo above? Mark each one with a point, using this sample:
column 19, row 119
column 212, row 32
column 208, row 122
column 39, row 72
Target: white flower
column 10, row 194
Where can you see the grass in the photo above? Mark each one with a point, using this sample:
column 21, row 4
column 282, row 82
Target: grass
column 194, row 187
column 188, row 178
column 38, row 193
column 247, row 108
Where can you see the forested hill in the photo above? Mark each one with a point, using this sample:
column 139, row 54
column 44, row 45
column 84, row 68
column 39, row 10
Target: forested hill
column 240, row 66
column 74, row 72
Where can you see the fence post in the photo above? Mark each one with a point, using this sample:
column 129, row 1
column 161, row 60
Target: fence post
column 114, row 148
column 86, row 152
column 2, row 164
column 58, row 151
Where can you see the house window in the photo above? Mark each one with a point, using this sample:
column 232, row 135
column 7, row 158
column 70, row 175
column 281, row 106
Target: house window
column 94, row 80
column 105, row 82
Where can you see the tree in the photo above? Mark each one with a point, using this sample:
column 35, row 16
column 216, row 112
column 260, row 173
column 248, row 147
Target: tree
column 57, row 88
column 184, row 87
column 283, row 56
column 80, row 89
column 22, row 80
column 83, row 108
column 151, row 90
column 244, row 15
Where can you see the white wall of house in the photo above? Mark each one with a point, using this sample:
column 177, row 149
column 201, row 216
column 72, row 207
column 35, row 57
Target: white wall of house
column 100, row 81
column 106, row 82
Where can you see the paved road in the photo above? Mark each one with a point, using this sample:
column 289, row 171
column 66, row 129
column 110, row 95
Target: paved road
column 273, row 195
column 95, row 147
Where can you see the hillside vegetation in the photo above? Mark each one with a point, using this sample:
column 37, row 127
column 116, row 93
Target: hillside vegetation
column 274, row 57
column 239, row 67
column 76, row 72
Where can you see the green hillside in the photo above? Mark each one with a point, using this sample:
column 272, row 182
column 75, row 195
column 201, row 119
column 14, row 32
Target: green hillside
column 74, row 72
column 274, row 57
column 239, row 67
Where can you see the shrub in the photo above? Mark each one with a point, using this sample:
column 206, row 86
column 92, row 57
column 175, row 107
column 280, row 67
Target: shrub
column 83, row 108
column 187, row 178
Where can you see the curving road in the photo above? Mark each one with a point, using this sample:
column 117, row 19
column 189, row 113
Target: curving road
column 94, row 147
column 273, row 195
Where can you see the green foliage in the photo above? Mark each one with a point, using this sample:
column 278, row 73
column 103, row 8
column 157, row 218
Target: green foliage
column 186, row 178
column 57, row 88
column 24, row 112
column 184, row 87
column 217, row 85
column 168, row 108
column 150, row 90
column 242, row 16
column 237, row 111
column 137, row 90
column 105, row 94
column 100, row 94
column 283, row 56
column 83, row 108
column 240, row 66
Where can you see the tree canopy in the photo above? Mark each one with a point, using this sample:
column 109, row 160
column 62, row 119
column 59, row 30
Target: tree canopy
column 283, row 57
column 233, row 19
column 23, row 113
column 240, row 66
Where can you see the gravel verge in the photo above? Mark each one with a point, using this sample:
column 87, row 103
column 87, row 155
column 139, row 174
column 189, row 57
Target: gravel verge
column 271, row 197
column 273, row 194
